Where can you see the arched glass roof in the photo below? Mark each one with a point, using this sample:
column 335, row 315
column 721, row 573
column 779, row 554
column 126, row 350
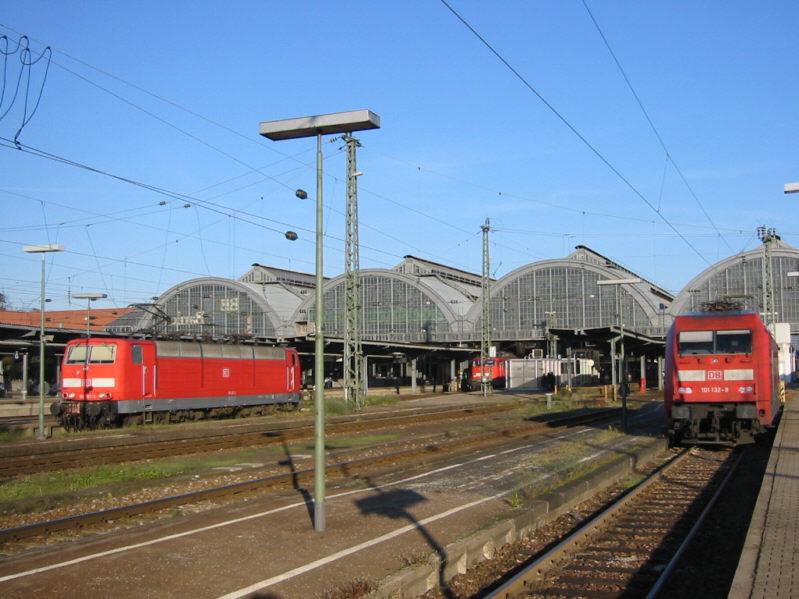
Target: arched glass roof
column 740, row 278
column 222, row 307
column 564, row 294
column 394, row 307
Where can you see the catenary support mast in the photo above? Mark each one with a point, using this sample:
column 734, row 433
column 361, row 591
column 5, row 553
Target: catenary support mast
column 353, row 351
column 485, row 337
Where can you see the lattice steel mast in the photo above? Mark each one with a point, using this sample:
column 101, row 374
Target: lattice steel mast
column 353, row 351
column 485, row 337
column 767, row 235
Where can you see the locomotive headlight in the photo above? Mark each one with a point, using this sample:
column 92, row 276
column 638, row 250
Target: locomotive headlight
column 745, row 389
column 685, row 390
column 72, row 396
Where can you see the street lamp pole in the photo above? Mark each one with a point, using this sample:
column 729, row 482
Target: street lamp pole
column 622, row 363
column 42, row 249
column 317, row 126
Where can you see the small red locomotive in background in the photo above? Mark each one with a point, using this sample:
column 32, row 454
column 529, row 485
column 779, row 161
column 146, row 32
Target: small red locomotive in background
column 493, row 371
column 722, row 381
column 111, row 381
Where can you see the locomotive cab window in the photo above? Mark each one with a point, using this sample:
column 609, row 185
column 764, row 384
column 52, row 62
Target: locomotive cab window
column 98, row 354
column 77, row 354
column 102, row 354
column 136, row 352
column 692, row 343
column 734, row 342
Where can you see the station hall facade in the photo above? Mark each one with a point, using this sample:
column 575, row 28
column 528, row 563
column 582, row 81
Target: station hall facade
column 431, row 313
column 426, row 310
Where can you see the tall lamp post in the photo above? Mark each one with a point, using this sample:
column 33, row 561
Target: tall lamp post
column 317, row 126
column 42, row 249
column 622, row 362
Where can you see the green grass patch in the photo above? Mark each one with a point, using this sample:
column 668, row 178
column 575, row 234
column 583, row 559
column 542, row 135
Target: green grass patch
column 337, row 406
column 352, row 442
column 382, row 400
column 563, row 461
column 631, row 482
column 44, row 485
column 46, row 490
column 11, row 436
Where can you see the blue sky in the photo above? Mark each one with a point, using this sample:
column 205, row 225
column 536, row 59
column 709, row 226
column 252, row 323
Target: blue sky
column 171, row 94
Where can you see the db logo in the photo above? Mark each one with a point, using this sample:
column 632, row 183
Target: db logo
column 714, row 375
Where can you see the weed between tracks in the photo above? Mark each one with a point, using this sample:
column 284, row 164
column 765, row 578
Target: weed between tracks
column 43, row 491
column 11, row 436
column 565, row 463
column 336, row 406
column 354, row 590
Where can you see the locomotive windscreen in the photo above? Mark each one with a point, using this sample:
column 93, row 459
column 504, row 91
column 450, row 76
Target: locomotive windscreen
column 733, row 342
column 696, row 342
column 692, row 343
column 98, row 354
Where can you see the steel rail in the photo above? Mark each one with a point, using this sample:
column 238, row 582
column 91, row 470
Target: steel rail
column 669, row 569
column 114, row 440
column 49, row 459
column 79, row 457
column 286, row 480
column 519, row 582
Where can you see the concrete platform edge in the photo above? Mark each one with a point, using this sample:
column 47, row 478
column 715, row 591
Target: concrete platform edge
column 744, row 580
column 465, row 553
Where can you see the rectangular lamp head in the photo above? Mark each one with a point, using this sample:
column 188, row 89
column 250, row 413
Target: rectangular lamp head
column 309, row 126
column 618, row 281
column 89, row 296
column 42, row 249
column 792, row 188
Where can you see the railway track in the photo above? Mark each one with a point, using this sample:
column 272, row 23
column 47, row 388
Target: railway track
column 56, row 456
column 295, row 479
column 631, row 549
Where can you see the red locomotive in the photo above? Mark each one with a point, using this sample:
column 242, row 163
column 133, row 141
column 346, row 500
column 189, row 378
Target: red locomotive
column 109, row 381
column 722, row 380
column 494, row 372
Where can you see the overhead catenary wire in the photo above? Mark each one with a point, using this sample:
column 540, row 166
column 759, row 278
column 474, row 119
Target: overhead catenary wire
column 668, row 153
column 147, row 225
column 562, row 207
column 196, row 138
column 212, row 206
column 572, row 128
column 97, row 262
column 220, row 125
column 523, row 251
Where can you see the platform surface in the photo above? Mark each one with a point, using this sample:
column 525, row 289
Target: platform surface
column 769, row 564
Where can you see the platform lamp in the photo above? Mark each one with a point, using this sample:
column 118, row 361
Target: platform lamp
column 791, row 188
column 89, row 297
column 42, row 249
column 623, row 363
column 317, row 126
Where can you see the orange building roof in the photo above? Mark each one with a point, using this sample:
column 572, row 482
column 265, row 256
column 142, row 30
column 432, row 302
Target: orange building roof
column 64, row 319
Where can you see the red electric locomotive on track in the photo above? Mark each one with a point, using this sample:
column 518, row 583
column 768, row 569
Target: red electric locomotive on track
column 722, row 380
column 493, row 371
column 108, row 381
